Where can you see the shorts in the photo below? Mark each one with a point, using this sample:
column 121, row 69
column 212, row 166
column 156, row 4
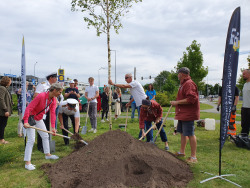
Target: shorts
column 186, row 128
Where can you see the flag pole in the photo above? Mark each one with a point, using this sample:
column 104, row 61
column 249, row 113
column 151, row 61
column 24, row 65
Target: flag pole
column 230, row 67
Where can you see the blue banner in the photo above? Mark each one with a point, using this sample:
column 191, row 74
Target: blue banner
column 229, row 73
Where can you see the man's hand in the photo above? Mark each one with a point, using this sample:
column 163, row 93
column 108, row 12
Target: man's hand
column 110, row 82
column 174, row 103
column 157, row 120
column 128, row 104
column 218, row 108
column 233, row 108
column 6, row 114
column 61, row 127
column 143, row 133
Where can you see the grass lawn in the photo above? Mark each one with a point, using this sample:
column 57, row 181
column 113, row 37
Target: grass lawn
column 234, row 160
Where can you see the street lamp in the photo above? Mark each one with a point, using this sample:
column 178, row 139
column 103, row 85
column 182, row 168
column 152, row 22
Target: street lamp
column 115, row 64
column 35, row 69
column 99, row 75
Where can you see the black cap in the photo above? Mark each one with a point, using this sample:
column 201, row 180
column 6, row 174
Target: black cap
column 184, row 70
column 146, row 102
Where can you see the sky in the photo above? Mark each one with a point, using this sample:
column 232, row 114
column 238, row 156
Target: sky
column 154, row 36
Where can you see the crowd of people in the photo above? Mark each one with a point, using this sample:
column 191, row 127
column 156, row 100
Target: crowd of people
column 47, row 103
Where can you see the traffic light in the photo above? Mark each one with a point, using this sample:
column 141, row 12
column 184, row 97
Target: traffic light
column 149, row 77
column 142, row 78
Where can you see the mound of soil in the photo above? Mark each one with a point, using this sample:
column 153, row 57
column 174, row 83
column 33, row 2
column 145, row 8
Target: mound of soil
column 116, row 159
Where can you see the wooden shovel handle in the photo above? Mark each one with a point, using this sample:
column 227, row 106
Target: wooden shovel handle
column 153, row 126
column 165, row 119
column 68, row 131
column 50, row 132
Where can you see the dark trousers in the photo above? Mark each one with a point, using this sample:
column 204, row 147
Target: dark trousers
column 245, row 120
column 39, row 139
column 105, row 110
column 150, row 136
column 65, row 123
column 3, row 124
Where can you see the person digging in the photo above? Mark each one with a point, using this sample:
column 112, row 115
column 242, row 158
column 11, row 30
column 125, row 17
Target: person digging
column 69, row 109
column 152, row 111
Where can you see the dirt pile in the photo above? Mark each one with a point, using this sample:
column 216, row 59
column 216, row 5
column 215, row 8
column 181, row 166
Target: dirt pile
column 116, row 159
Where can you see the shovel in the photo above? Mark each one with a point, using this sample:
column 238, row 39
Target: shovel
column 165, row 119
column 152, row 127
column 125, row 125
column 76, row 135
column 84, row 128
column 56, row 134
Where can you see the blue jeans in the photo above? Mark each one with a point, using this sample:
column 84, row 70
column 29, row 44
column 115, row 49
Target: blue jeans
column 150, row 135
column 133, row 106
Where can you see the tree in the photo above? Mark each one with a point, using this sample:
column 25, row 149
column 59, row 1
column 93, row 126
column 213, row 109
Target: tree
column 193, row 59
column 104, row 15
column 241, row 81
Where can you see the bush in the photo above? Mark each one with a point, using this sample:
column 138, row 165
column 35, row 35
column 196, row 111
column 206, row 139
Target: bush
column 164, row 98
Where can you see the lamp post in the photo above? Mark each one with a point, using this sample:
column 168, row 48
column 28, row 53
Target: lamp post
column 115, row 64
column 99, row 75
column 35, row 69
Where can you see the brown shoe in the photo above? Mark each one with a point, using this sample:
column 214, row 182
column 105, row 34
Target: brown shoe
column 192, row 160
column 178, row 154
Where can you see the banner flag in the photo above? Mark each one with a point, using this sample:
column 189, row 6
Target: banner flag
column 229, row 73
column 23, row 81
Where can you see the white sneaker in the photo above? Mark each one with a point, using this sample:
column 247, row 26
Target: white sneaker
column 107, row 120
column 51, row 157
column 102, row 121
column 30, row 167
column 91, row 130
column 95, row 131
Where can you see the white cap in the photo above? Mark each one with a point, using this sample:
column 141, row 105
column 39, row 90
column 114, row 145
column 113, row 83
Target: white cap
column 54, row 74
column 71, row 82
column 72, row 101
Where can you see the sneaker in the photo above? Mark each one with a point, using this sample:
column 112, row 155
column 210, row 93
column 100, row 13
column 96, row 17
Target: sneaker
column 178, row 154
column 167, row 148
column 107, row 120
column 91, row 130
column 95, row 131
column 51, row 157
column 102, row 121
column 30, row 167
column 192, row 160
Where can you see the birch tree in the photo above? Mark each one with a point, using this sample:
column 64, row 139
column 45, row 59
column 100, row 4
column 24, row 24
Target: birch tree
column 104, row 15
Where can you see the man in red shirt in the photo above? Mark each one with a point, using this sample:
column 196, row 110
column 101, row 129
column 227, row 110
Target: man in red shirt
column 187, row 109
column 152, row 111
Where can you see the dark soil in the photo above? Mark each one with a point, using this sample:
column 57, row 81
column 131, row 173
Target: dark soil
column 116, row 159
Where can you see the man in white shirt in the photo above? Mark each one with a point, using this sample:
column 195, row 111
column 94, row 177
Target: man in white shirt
column 91, row 94
column 69, row 108
column 245, row 110
column 135, row 87
column 136, row 91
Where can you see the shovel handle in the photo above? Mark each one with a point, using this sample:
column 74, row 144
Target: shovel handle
column 68, row 131
column 153, row 126
column 126, row 120
column 165, row 119
column 50, row 132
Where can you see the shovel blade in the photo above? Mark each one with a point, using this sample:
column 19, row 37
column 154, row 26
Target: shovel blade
column 84, row 129
column 52, row 145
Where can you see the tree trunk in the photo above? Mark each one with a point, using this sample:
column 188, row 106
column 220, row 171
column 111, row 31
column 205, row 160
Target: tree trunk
column 109, row 66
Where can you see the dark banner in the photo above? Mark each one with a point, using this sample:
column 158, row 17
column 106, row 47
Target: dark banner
column 229, row 73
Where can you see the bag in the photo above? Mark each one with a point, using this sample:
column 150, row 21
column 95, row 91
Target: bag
column 241, row 141
column 31, row 120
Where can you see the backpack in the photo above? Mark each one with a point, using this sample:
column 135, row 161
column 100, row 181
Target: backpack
column 241, row 141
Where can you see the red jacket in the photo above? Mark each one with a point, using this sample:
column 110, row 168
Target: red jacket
column 188, row 112
column 38, row 104
column 154, row 112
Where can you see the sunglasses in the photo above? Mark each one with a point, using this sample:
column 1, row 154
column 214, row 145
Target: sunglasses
column 127, row 77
